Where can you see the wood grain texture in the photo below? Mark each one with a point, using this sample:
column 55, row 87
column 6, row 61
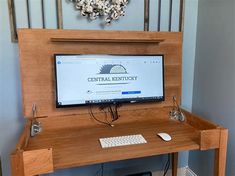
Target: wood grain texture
column 198, row 122
column 38, row 162
column 70, row 150
column 209, row 139
column 120, row 40
column 24, row 138
column 221, row 154
column 17, row 166
column 37, row 68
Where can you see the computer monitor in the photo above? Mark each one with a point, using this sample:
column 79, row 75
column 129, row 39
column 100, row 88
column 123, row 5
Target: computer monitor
column 100, row 79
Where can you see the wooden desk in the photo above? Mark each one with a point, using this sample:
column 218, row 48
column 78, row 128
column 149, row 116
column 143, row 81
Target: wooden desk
column 78, row 145
column 70, row 136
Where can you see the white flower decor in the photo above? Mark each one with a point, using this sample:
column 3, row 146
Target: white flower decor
column 111, row 9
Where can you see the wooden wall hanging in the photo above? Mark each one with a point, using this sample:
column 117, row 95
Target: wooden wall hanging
column 59, row 15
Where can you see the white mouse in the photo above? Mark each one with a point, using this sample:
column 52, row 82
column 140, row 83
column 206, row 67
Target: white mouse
column 164, row 136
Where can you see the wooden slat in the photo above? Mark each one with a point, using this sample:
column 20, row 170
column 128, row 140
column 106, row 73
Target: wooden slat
column 12, row 17
column 59, row 14
column 43, row 15
column 120, row 40
column 146, row 15
column 170, row 15
column 159, row 15
column 28, row 13
column 181, row 15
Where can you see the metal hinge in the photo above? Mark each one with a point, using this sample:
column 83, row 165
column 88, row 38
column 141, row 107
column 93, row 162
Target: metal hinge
column 36, row 126
column 176, row 112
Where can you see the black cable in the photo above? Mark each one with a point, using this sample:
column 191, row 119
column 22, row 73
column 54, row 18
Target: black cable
column 97, row 172
column 102, row 169
column 93, row 116
column 100, row 172
column 106, row 116
column 111, row 112
column 116, row 112
column 167, row 166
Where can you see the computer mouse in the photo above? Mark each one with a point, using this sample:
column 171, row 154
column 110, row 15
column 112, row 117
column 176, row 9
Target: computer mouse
column 164, row 136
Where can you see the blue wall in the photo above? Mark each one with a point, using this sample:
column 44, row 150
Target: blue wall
column 11, row 120
column 214, row 82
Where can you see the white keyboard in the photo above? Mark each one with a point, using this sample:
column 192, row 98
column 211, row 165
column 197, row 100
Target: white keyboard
column 122, row 141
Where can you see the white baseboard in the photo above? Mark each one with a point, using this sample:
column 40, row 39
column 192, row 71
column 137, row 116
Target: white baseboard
column 184, row 171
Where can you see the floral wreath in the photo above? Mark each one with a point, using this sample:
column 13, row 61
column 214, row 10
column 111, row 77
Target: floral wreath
column 92, row 9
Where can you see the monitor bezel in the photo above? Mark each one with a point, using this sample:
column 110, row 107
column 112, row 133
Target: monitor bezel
column 148, row 99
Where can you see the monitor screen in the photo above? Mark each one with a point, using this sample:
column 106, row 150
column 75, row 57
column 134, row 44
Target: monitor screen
column 99, row 79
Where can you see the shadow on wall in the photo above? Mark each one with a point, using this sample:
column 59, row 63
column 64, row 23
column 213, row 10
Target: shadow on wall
column 0, row 166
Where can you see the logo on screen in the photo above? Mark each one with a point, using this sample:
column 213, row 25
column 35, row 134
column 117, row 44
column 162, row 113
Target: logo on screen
column 112, row 69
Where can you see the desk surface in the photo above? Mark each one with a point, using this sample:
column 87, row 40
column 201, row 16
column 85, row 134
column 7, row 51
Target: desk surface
column 80, row 146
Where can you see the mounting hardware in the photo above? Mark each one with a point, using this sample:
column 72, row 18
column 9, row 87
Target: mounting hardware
column 176, row 112
column 34, row 110
column 36, row 126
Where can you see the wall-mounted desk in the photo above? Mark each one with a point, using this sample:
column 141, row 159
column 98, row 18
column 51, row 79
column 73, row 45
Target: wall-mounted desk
column 77, row 144
column 70, row 137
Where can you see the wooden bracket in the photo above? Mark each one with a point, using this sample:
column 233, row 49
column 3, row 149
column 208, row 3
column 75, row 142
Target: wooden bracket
column 34, row 162
column 209, row 139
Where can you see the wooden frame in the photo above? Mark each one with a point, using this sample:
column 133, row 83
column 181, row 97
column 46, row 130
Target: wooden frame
column 59, row 146
column 59, row 16
column 12, row 18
